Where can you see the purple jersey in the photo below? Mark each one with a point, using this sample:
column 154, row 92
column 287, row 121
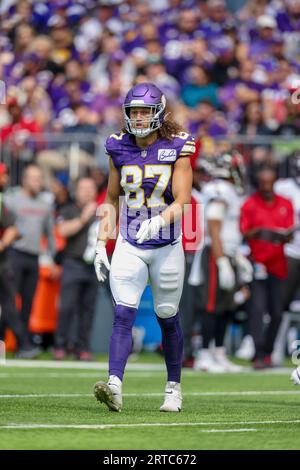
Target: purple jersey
column 146, row 179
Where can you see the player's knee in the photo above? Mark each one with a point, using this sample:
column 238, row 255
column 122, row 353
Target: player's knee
column 166, row 310
column 127, row 297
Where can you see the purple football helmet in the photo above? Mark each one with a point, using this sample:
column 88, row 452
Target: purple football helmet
column 144, row 95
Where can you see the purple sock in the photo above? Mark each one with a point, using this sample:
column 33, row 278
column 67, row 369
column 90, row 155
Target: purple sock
column 121, row 339
column 172, row 342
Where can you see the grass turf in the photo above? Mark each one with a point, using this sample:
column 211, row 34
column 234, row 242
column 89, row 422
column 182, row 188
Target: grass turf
column 228, row 416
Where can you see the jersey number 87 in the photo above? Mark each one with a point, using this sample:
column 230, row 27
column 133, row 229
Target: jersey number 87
column 132, row 178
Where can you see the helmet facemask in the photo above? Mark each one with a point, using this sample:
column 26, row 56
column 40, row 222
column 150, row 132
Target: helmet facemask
column 152, row 123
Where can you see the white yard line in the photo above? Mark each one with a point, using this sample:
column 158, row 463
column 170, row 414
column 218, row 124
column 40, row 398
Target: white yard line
column 228, row 430
column 145, row 425
column 158, row 394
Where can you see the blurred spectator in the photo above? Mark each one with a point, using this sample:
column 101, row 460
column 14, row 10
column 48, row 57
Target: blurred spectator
column 58, row 186
column 261, row 213
column 77, row 223
column 252, row 123
column 9, row 317
column 226, row 65
column 81, row 129
column 83, row 125
column 34, row 219
column 199, row 88
column 156, row 73
column 18, row 137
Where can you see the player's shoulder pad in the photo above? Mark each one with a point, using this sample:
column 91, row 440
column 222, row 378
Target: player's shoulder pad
column 217, row 190
column 113, row 142
column 185, row 144
column 284, row 184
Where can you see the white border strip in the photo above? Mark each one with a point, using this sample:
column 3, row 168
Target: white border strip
column 143, row 425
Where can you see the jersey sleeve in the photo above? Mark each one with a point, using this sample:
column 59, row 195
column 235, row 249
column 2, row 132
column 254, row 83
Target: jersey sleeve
column 189, row 147
column 113, row 145
column 108, row 146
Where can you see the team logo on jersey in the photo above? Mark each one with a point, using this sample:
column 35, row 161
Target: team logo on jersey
column 167, row 155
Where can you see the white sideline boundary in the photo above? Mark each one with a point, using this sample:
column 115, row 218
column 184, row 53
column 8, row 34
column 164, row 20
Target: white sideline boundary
column 143, row 367
column 77, row 375
column 159, row 394
column 39, row 364
column 23, row 426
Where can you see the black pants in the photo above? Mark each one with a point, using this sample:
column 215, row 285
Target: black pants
column 10, row 318
column 79, row 288
column 214, row 328
column 266, row 296
column 187, row 309
column 292, row 283
column 26, row 274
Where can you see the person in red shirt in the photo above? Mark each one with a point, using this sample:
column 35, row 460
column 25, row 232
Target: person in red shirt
column 262, row 214
column 17, row 139
column 19, row 127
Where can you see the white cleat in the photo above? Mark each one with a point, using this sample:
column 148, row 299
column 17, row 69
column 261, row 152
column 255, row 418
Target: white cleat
column 295, row 377
column 222, row 359
column 246, row 349
column 173, row 397
column 110, row 393
column 206, row 362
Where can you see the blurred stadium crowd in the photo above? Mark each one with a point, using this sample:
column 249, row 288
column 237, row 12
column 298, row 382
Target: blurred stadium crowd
column 228, row 70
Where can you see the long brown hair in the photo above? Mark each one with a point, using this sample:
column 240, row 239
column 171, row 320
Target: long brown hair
column 168, row 129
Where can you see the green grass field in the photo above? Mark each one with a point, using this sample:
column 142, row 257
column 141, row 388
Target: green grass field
column 53, row 408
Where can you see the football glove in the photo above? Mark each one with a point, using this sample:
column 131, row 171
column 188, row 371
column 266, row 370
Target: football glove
column 245, row 269
column 101, row 261
column 149, row 229
column 226, row 273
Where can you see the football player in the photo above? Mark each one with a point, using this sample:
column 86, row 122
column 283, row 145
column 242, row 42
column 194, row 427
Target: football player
column 225, row 270
column 149, row 163
column 295, row 377
column 289, row 188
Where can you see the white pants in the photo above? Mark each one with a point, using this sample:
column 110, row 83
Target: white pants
column 133, row 268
